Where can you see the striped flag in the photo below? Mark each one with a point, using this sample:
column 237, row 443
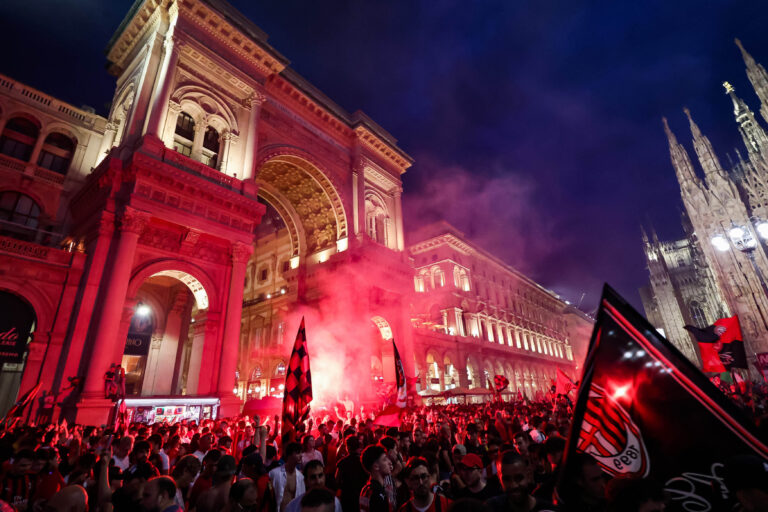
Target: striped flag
column 298, row 384
column 564, row 385
column 645, row 411
column 402, row 392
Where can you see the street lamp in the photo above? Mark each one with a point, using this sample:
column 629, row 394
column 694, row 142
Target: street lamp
column 741, row 238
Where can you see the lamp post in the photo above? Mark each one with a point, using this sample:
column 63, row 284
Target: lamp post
column 741, row 238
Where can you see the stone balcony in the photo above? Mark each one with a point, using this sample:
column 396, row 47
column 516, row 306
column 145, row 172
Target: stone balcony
column 13, row 165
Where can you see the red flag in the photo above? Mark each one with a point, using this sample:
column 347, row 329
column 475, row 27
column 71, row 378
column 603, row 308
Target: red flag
column 564, row 384
column 721, row 345
column 389, row 417
column 298, row 383
column 644, row 410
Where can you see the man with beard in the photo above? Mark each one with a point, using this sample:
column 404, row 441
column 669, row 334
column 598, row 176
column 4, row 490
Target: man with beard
column 417, row 477
column 159, row 495
column 314, row 478
column 516, row 480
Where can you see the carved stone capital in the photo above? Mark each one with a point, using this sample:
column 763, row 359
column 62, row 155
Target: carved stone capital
column 241, row 252
column 106, row 225
column 133, row 221
column 174, row 107
column 111, row 126
column 256, row 99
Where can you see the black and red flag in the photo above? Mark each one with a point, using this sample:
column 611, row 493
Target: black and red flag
column 721, row 345
column 644, row 410
column 298, row 384
column 500, row 382
column 21, row 404
column 402, row 391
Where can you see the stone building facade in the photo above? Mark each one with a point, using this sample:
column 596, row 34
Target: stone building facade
column 186, row 234
column 476, row 317
column 719, row 269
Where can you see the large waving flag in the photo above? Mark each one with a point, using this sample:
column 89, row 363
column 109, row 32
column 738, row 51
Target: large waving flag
column 563, row 385
column 644, row 410
column 298, row 384
column 500, row 383
column 721, row 345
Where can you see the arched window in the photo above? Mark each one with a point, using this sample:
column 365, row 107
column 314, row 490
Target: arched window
column 210, row 155
column 376, row 220
column 438, row 277
column 698, row 314
column 456, row 276
column 18, row 139
column 184, row 135
column 19, row 215
column 280, row 369
column 56, row 154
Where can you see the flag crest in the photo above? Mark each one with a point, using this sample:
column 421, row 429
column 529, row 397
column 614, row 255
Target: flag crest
column 644, row 409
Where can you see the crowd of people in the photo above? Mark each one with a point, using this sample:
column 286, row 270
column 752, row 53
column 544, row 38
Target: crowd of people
column 488, row 457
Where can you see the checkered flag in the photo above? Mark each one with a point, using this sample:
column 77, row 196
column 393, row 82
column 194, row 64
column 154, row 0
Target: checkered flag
column 298, row 384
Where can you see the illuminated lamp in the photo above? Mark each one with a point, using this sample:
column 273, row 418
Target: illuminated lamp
column 762, row 229
column 234, row 391
column 271, row 390
column 282, row 291
column 720, row 243
column 295, row 262
column 269, row 295
column 281, row 387
column 143, row 310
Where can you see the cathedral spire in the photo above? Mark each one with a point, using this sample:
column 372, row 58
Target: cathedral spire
column 686, row 175
column 752, row 133
column 707, row 157
column 758, row 77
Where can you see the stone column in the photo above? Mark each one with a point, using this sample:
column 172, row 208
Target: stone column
column 399, row 219
column 197, row 143
column 36, row 153
column 132, row 223
column 174, row 109
column 110, row 132
column 227, row 139
column 162, row 90
column 231, row 336
column 253, row 103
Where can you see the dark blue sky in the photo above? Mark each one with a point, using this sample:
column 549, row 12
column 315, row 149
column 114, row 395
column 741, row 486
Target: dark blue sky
column 535, row 125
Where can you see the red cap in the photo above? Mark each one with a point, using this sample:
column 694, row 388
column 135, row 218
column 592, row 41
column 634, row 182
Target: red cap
column 471, row 460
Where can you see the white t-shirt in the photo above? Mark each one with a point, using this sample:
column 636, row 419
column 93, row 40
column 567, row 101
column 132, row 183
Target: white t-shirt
column 123, row 463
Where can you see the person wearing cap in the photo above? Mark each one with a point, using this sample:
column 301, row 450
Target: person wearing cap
column 215, row 498
column 470, row 469
column 747, row 477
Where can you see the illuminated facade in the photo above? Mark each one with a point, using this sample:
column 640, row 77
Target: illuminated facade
column 477, row 317
column 727, row 211
column 185, row 235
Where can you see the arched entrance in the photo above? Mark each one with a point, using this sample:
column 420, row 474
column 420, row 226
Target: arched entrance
column 164, row 346
column 17, row 323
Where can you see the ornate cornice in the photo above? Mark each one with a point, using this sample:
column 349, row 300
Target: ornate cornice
column 133, row 220
column 382, row 149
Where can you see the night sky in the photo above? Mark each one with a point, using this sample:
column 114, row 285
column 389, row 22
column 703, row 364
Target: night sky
column 535, row 125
